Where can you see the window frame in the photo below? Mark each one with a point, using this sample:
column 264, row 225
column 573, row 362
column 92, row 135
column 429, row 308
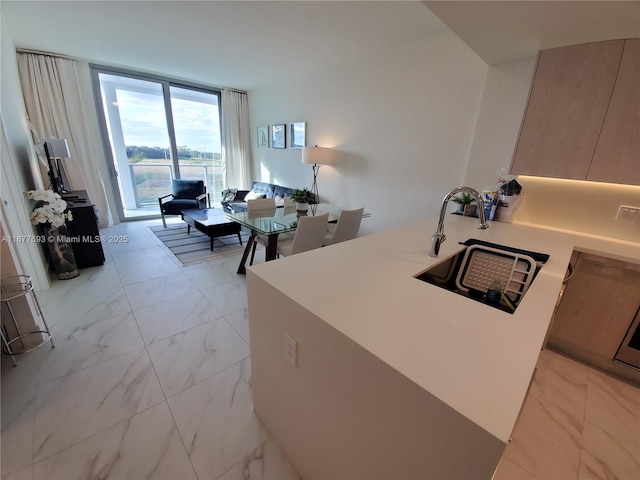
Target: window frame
column 166, row 83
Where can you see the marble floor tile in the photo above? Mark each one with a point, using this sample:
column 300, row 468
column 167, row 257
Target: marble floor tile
column 209, row 274
column 90, row 281
column 168, row 318
column 614, row 406
column 132, row 240
column 216, row 421
column 81, row 404
column 147, row 255
column 267, row 462
column 240, row 322
column 25, row 375
column 158, row 290
column 608, row 456
column 230, row 263
column 74, row 310
column 561, row 382
column 507, row 470
column 546, row 440
column 192, row 356
column 99, row 278
column 87, row 345
column 16, row 441
column 145, row 446
column 228, row 297
column 23, row 474
column 137, row 271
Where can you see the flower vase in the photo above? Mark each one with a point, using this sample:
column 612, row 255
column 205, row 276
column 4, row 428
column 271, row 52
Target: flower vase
column 61, row 254
column 302, row 207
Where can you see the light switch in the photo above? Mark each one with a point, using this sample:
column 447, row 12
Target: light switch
column 627, row 213
column 290, row 349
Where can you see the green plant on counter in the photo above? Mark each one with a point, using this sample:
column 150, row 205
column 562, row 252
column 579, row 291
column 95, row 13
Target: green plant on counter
column 303, row 195
column 464, row 199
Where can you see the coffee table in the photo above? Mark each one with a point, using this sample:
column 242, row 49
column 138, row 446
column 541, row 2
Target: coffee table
column 213, row 222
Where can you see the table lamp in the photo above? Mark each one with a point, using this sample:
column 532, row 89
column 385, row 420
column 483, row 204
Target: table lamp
column 317, row 156
column 56, row 149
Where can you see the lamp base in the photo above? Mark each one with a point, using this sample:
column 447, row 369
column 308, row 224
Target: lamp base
column 314, row 188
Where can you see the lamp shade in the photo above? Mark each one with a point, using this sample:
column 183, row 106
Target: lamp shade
column 318, row 155
column 57, row 148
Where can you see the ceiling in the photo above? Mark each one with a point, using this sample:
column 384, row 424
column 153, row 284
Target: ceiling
column 502, row 31
column 244, row 44
column 239, row 44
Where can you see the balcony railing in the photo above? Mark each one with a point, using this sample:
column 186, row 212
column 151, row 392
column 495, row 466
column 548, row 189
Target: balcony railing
column 153, row 180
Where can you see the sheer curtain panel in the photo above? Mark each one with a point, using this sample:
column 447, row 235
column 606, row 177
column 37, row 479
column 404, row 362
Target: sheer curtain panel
column 54, row 107
column 236, row 139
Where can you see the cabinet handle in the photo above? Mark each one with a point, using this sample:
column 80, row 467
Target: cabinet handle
column 569, row 274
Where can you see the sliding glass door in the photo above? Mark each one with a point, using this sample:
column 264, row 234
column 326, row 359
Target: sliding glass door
column 196, row 122
column 157, row 130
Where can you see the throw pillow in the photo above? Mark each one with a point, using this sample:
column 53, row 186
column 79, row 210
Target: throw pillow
column 229, row 195
column 279, row 200
column 253, row 196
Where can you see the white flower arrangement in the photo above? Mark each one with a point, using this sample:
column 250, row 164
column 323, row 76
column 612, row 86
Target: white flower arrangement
column 51, row 208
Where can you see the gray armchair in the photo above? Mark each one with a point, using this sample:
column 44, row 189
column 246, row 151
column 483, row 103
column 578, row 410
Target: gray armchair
column 185, row 195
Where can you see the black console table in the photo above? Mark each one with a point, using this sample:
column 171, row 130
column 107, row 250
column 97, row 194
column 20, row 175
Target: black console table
column 83, row 229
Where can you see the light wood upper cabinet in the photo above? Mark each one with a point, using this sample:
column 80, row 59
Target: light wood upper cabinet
column 566, row 110
column 617, row 156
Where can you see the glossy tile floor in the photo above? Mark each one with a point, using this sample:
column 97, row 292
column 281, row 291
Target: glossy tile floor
column 150, row 379
column 576, row 423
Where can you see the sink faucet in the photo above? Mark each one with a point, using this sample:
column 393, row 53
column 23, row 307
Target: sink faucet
column 438, row 237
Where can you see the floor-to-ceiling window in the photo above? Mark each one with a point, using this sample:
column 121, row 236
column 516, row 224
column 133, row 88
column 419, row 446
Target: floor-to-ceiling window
column 157, row 130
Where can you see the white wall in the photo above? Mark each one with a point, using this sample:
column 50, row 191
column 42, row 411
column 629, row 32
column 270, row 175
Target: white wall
column 503, row 102
column 402, row 123
column 587, row 207
column 20, row 169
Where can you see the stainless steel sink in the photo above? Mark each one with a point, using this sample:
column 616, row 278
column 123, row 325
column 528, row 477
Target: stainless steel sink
column 472, row 270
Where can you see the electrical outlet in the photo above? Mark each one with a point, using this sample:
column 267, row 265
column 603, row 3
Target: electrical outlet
column 628, row 214
column 290, row 350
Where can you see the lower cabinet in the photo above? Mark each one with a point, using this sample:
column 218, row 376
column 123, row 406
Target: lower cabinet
column 596, row 310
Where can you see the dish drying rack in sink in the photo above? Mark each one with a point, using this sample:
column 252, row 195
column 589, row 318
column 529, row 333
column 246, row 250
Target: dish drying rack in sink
column 482, row 265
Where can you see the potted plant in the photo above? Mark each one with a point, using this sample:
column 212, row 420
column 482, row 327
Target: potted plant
column 51, row 212
column 464, row 203
column 303, row 197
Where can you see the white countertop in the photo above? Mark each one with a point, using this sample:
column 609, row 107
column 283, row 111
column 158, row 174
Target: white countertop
column 475, row 358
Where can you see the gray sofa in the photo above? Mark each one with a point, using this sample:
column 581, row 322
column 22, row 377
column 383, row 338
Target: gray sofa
column 234, row 200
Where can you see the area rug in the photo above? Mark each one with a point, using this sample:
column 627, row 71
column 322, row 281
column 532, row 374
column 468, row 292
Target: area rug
column 196, row 246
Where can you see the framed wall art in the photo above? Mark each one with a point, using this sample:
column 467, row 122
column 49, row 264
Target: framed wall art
column 278, row 135
column 263, row 136
column 297, row 134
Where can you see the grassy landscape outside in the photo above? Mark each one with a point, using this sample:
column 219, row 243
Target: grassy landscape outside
column 152, row 177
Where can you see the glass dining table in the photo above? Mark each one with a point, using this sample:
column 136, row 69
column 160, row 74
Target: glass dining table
column 271, row 223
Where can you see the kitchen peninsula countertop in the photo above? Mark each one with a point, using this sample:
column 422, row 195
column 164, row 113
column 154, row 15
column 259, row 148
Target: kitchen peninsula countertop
column 475, row 358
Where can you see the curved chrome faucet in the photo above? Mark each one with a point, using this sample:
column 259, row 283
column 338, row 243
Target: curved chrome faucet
column 438, row 237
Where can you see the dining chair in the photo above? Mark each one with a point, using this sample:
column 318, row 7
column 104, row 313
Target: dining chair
column 347, row 227
column 253, row 206
column 309, row 235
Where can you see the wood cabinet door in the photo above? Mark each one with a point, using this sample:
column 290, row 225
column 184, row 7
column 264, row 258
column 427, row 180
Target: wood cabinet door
column 597, row 307
column 571, row 90
column 617, row 155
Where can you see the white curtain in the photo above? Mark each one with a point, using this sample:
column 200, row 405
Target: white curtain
column 54, row 106
column 236, row 139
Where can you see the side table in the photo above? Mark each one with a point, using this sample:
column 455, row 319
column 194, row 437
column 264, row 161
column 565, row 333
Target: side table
column 12, row 288
column 87, row 247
